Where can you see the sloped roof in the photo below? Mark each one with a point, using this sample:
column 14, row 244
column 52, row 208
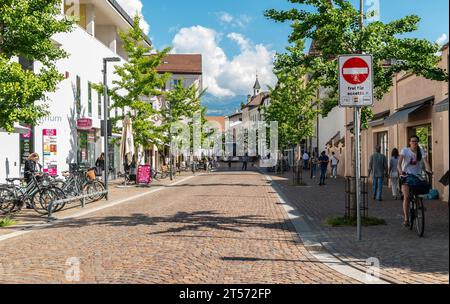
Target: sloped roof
column 218, row 119
column 257, row 100
column 181, row 64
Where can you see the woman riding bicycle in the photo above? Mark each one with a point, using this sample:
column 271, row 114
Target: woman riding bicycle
column 409, row 163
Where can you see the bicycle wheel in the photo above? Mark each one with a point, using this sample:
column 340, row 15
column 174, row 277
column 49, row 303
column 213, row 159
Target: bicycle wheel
column 61, row 195
column 7, row 201
column 42, row 199
column 420, row 217
column 412, row 213
column 92, row 188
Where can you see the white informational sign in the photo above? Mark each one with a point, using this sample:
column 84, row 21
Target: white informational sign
column 355, row 81
column 50, row 151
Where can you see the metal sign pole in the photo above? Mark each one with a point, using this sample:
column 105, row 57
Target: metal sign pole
column 357, row 132
column 105, row 127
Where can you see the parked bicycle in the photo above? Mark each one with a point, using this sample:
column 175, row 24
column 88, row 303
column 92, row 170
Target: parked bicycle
column 37, row 193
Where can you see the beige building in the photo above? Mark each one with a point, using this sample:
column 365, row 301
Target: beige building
column 414, row 105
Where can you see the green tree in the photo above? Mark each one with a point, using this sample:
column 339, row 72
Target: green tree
column 335, row 30
column 181, row 103
column 139, row 82
column 292, row 101
column 26, row 28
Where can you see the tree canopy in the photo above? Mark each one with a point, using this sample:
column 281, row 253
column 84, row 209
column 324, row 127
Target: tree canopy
column 26, row 28
column 333, row 26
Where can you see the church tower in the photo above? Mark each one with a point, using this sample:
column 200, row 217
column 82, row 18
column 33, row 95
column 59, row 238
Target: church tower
column 256, row 87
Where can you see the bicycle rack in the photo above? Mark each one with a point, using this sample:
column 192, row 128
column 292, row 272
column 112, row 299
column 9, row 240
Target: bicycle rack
column 71, row 199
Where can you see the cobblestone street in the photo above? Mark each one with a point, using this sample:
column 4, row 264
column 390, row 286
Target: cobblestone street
column 223, row 227
column 403, row 256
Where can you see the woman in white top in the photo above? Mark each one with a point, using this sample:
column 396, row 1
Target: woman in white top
column 393, row 173
column 409, row 163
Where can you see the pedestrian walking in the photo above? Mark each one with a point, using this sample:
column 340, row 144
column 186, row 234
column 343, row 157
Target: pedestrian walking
column 393, row 174
column 100, row 165
column 334, row 163
column 305, row 158
column 313, row 161
column 323, row 161
column 378, row 169
column 244, row 162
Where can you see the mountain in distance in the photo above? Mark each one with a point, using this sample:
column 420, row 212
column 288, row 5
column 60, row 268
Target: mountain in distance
column 222, row 106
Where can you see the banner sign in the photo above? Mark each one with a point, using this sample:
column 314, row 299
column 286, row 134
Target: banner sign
column 84, row 123
column 50, row 161
column 143, row 174
column 26, row 146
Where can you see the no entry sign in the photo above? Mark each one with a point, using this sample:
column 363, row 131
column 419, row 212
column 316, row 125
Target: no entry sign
column 355, row 80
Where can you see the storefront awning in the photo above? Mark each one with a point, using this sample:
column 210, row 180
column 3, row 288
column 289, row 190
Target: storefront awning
column 402, row 115
column 442, row 106
column 378, row 119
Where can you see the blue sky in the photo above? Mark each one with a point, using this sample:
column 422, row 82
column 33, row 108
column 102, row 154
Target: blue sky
column 165, row 17
column 237, row 41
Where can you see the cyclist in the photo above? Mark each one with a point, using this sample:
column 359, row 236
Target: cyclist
column 409, row 163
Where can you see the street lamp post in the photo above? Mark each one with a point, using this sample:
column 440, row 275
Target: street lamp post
column 170, row 142
column 106, row 118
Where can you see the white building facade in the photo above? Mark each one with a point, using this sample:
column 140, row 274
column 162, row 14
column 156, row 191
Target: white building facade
column 72, row 131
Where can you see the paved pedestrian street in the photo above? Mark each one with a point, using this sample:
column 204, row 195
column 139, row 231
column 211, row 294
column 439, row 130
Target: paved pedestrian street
column 223, row 227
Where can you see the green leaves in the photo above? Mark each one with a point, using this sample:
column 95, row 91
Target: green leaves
column 335, row 31
column 26, row 28
column 139, row 84
column 292, row 101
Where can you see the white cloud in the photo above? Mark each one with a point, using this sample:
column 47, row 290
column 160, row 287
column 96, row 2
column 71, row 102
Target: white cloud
column 442, row 39
column 223, row 76
column 240, row 21
column 133, row 7
column 243, row 42
column 225, row 17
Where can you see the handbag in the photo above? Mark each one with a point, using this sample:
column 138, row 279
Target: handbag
column 98, row 171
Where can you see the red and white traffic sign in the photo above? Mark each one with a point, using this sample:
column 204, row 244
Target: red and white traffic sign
column 355, row 80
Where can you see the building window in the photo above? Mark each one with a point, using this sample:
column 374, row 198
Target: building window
column 99, row 105
column 175, row 82
column 26, row 64
column 78, row 96
column 381, row 140
column 89, row 99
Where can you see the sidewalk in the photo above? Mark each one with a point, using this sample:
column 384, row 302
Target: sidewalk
column 403, row 256
column 28, row 217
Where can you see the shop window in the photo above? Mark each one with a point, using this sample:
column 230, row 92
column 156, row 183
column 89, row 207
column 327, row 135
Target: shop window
column 381, row 140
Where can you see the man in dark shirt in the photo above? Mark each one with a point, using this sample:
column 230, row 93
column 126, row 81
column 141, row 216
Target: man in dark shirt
column 323, row 161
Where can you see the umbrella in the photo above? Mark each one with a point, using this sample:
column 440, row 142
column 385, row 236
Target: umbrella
column 127, row 141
